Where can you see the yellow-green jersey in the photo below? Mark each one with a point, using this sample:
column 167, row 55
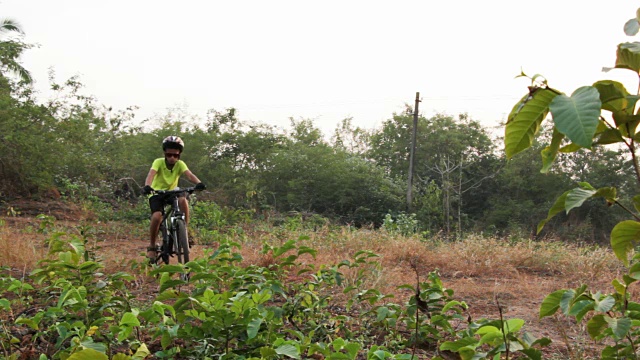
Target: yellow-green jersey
column 166, row 179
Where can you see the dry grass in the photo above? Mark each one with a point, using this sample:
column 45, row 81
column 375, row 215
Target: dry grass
column 476, row 267
column 21, row 249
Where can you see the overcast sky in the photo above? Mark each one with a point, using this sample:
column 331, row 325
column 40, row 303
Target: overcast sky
column 321, row 60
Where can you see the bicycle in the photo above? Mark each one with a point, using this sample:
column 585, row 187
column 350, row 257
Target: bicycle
column 173, row 227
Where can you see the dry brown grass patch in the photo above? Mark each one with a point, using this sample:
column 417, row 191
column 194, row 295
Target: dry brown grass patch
column 19, row 250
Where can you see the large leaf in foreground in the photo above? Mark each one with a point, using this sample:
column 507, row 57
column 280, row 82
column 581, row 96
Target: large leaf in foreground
column 525, row 119
column 623, row 238
column 550, row 152
column 577, row 116
column 631, row 27
column 628, row 56
column 551, row 303
column 576, row 197
column 613, row 95
column 557, row 207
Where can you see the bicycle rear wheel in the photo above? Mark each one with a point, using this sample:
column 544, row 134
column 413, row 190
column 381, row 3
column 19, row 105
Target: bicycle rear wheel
column 182, row 241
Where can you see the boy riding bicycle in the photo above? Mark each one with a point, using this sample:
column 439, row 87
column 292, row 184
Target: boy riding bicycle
column 164, row 175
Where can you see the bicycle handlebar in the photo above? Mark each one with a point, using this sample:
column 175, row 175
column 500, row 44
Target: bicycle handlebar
column 190, row 190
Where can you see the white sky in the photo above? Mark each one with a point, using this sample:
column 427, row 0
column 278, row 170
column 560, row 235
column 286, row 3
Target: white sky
column 321, row 60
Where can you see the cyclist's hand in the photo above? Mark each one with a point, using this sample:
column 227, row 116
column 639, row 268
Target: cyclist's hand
column 200, row 186
column 147, row 189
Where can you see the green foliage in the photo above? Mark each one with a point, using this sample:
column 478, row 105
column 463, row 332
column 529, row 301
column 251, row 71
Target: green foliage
column 580, row 122
column 10, row 51
column 322, row 180
column 403, row 224
column 230, row 310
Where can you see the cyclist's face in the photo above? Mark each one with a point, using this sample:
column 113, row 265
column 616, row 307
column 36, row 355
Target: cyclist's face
column 172, row 155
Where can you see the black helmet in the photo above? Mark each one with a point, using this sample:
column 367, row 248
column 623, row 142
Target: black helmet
column 172, row 142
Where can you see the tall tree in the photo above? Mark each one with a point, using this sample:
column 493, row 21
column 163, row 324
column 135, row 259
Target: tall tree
column 10, row 50
column 456, row 154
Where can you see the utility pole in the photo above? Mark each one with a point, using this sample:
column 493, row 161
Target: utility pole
column 412, row 153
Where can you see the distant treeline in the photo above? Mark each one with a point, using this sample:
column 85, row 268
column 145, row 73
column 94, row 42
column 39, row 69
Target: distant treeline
column 462, row 181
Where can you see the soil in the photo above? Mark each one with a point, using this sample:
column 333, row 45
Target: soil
column 514, row 295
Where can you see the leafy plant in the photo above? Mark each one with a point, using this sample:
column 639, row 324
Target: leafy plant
column 403, row 224
column 596, row 115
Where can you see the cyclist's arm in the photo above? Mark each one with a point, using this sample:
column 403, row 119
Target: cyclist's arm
column 191, row 177
column 150, row 176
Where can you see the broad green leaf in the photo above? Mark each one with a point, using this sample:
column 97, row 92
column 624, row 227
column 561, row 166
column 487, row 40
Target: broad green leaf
column 623, row 238
column 121, row 357
column 129, row 319
column 171, row 284
column 567, row 300
column 513, row 325
column 633, row 306
column 487, row 329
column 533, row 354
column 634, row 271
column 253, row 327
column 628, row 280
column 619, row 287
column 165, row 340
column 596, row 325
column 605, row 304
column 551, row 303
column 142, row 352
column 608, row 193
column 465, row 354
column 382, row 313
column 289, row 245
column 631, row 27
column 557, row 207
column 619, row 326
column 636, row 202
column 525, row 119
column 172, row 269
column 613, row 95
column 493, row 338
column 267, row 352
column 450, row 305
column 570, row 148
column 88, row 343
column 88, row 354
column 628, row 56
column 29, row 322
column 338, row 344
column 610, row 136
column 577, row 116
column 550, row 152
column 288, row 350
column 542, row 342
column 580, row 308
column 458, row 344
column 576, row 197
column 353, row 348
column 626, row 119
column 585, row 185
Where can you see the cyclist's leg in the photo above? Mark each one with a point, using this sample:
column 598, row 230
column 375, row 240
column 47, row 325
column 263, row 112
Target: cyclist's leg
column 155, row 203
column 184, row 206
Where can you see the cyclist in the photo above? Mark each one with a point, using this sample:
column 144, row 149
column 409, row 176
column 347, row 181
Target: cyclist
column 164, row 175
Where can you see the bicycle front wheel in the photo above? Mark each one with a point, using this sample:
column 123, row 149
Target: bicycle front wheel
column 182, row 241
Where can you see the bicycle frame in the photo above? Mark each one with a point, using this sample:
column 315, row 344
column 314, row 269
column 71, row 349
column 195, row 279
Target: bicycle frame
column 172, row 214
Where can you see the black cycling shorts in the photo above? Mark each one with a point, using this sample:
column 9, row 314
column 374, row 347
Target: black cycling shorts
column 156, row 202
